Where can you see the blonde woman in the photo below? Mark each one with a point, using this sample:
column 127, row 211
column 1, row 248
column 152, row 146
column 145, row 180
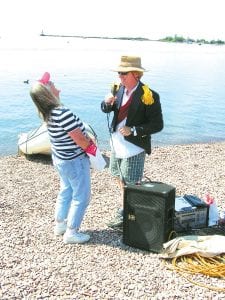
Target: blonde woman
column 70, row 145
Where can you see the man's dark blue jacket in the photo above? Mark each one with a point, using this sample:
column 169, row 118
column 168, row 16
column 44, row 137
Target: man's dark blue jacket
column 147, row 119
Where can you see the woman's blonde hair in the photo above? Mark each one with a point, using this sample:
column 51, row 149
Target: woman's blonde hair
column 43, row 99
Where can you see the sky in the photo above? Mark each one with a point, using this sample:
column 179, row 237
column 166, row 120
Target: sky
column 152, row 19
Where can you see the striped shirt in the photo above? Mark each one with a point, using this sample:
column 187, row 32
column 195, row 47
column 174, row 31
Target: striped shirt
column 62, row 121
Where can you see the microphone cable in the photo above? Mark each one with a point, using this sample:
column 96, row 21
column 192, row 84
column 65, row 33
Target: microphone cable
column 113, row 148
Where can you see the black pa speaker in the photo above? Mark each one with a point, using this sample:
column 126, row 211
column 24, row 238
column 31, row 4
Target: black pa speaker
column 148, row 215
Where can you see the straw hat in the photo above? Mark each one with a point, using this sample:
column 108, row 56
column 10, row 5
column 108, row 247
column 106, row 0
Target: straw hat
column 129, row 63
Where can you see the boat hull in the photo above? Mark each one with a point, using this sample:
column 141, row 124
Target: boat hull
column 37, row 141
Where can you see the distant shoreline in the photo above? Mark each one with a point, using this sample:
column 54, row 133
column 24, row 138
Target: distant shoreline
column 97, row 37
column 168, row 39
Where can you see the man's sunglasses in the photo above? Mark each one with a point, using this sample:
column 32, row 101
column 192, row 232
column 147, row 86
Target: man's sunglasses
column 123, row 73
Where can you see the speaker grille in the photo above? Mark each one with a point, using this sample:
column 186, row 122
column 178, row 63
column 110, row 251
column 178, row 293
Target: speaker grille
column 148, row 215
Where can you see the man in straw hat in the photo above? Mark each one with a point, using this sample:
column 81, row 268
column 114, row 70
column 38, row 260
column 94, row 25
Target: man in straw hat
column 137, row 115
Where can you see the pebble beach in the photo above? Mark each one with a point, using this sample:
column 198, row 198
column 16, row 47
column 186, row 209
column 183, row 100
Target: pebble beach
column 37, row 265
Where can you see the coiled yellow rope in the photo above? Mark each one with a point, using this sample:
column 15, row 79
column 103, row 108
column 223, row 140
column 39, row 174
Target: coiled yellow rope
column 195, row 263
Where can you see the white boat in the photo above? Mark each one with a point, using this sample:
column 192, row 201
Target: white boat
column 37, row 141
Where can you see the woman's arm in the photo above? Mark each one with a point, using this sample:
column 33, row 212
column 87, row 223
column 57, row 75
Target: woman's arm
column 79, row 138
column 84, row 142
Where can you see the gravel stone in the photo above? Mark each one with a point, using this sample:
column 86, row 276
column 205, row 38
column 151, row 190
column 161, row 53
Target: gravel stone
column 36, row 265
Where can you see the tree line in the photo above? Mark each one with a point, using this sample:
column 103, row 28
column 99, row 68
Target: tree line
column 181, row 39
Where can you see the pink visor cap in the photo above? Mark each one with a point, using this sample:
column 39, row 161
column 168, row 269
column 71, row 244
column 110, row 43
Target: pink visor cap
column 45, row 78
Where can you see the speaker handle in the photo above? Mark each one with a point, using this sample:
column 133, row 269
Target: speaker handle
column 149, row 179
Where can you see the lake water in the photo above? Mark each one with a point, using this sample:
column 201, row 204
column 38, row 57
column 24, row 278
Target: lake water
column 188, row 77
